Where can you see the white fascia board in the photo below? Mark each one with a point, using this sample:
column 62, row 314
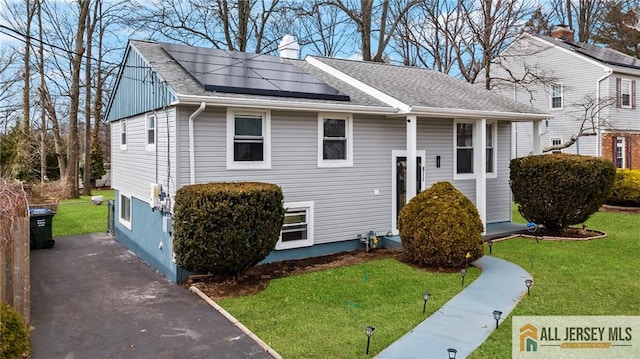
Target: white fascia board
column 282, row 104
column 461, row 113
column 582, row 57
column 371, row 91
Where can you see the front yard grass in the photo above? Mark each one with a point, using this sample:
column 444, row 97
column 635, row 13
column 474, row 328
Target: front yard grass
column 80, row 216
column 598, row 277
column 323, row 314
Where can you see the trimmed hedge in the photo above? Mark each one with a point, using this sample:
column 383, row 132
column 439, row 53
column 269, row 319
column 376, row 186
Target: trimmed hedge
column 14, row 335
column 626, row 188
column 439, row 227
column 560, row 190
column 225, row 228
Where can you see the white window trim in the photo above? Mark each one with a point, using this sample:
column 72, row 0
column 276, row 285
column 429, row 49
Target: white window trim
column 561, row 97
column 148, row 146
column 561, row 139
column 456, row 175
column 626, row 83
column 123, row 124
column 309, row 207
column 266, row 133
column 125, row 223
column 494, row 135
column 623, row 146
column 322, row 163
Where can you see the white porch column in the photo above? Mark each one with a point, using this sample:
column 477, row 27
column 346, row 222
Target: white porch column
column 412, row 170
column 480, row 168
column 537, row 147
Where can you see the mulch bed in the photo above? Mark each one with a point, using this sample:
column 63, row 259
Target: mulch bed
column 257, row 278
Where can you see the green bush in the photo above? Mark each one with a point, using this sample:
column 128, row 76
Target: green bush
column 14, row 335
column 225, row 228
column 439, row 227
column 626, row 188
column 560, row 190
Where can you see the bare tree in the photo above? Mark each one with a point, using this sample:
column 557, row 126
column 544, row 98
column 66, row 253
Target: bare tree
column 585, row 14
column 492, row 27
column 590, row 120
column 241, row 25
column 365, row 14
column 323, row 29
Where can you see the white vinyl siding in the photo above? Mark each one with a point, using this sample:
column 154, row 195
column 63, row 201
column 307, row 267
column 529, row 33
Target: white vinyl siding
column 335, row 140
column 133, row 170
column 248, row 139
column 297, row 229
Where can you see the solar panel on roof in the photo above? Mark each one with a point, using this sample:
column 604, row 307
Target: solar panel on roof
column 243, row 73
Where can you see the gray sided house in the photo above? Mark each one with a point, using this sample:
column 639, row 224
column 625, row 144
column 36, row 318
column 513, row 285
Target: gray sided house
column 340, row 137
column 582, row 76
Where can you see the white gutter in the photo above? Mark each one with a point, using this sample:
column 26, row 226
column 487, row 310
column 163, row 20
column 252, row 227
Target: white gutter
column 599, row 136
column 282, row 104
column 192, row 156
column 389, row 100
column 461, row 113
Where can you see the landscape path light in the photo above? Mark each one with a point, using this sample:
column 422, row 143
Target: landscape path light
column 463, row 272
column 528, row 283
column 496, row 316
column 425, row 297
column 490, row 246
column 452, row 353
column 368, row 331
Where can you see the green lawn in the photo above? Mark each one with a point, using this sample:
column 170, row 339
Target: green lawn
column 598, row 277
column 80, row 216
column 323, row 314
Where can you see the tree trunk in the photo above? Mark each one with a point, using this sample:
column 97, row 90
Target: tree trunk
column 73, row 151
column 43, row 115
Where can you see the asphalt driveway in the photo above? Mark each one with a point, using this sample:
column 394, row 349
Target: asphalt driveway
column 93, row 298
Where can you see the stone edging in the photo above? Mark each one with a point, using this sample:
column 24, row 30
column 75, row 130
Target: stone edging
column 235, row 322
column 610, row 208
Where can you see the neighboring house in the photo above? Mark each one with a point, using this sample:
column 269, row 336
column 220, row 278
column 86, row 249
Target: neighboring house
column 583, row 76
column 334, row 134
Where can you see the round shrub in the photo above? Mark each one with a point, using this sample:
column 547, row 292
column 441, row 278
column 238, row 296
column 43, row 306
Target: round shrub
column 439, row 227
column 225, row 228
column 626, row 188
column 14, row 335
column 560, row 190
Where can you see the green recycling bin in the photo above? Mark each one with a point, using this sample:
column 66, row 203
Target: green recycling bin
column 41, row 235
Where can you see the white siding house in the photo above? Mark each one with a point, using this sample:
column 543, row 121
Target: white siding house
column 335, row 137
column 583, row 81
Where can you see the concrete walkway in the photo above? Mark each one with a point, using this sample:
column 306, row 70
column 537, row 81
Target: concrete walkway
column 93, row 298
column 466, row 321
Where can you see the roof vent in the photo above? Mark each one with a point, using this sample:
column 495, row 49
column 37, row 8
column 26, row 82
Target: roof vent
column 289, row 47
column 562, row 32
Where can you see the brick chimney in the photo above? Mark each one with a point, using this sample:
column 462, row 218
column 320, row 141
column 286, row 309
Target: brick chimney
column 562, row 32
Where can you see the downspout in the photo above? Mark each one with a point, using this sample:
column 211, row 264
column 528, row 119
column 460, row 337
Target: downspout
column 192, row 156
column 599, row 137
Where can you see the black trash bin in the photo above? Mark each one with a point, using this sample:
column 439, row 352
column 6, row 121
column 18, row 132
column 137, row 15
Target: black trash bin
column 41, row 235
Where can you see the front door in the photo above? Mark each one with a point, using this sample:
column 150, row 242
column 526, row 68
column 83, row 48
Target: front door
column 399, row 182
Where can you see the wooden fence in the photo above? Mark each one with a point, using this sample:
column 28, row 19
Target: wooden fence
column 15, row 286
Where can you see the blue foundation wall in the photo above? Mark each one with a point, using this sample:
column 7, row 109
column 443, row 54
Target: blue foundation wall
column 145, row 236
column 147, row 232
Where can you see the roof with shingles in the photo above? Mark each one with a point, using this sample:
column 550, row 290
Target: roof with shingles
column 419, row 87
column 416, row 87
